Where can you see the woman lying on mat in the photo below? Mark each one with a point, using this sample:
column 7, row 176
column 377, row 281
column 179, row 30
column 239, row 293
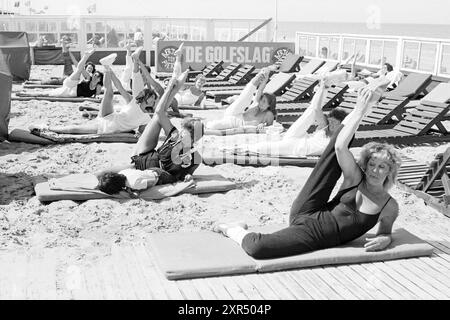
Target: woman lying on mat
column 297, row 141
column 244, row 112
column 69, row 61
column 73, row 86
column 135, row 114
column 363, row 200
column 175, row 160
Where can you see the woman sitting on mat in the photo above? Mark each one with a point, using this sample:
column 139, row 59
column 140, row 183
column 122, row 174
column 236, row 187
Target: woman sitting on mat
column 297, row 141
column 363, row 200
column 244, row 112
column 191, row 95
column 175, row 160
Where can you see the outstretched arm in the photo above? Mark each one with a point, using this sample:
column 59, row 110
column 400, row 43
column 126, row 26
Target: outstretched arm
column 262, row 85
column 350, row 169
column 149, row 79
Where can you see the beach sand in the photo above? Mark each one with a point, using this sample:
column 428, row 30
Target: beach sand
column 86, row 231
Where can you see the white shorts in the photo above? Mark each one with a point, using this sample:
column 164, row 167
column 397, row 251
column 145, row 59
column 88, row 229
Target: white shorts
column 108, row 124
column 69, row 89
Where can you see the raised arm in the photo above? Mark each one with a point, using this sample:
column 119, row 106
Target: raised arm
column 262, row 85
column 350, row 169
column 149, row 79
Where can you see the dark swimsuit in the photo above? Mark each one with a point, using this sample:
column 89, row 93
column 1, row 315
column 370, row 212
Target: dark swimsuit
column 315, row 222
column 162, row 158
column 83, row 89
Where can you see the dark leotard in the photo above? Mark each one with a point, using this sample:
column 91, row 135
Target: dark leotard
column 315, row 222
column 83, row 90
column 162, row 158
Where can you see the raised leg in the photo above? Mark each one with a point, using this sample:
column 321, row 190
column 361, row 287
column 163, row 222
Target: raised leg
column 106, row 107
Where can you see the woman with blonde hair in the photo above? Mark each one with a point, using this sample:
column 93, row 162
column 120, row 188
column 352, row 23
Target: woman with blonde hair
column 362, row 201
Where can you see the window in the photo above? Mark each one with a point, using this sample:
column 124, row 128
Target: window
column 375, row 52
column 390, row 52
column 222, row 34
column 427, row 58
column 360, row 47
column 333, row 49
column 303, row 44
column 445, row 63
column 311, row 48
column 410, row 54
column 348, row 48
column 30, row 26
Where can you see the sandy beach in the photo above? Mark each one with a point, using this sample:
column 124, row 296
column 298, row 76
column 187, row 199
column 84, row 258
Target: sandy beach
column 86, row 231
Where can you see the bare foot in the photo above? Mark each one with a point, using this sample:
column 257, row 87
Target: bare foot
column 224, row 227
column 378, row 88
column 179, row 51
column 128, row 46
column 136, row 54
column 90, row 52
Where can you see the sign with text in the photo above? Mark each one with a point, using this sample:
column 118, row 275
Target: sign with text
column 198, row 54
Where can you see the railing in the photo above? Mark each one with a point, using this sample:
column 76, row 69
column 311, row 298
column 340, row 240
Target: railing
column 111, row 33
column 425, row 55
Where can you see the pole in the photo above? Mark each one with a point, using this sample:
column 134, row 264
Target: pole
column 276, row 21
column 255, row 29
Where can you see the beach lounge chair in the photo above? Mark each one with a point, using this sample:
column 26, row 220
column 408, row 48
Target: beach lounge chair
column 301, row 90
column 277, row 85
column 240, row 78
column 288, row 113
column 429, row 182
column 411, row 87
column 225, row 74
column 291, row 63
column 416, row 127
column 312, row 66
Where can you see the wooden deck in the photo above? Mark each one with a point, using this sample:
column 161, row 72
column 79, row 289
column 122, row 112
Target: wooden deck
column 130, row 272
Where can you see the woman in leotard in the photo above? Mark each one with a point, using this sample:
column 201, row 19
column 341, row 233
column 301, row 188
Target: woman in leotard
column 298, row 140
column 363, row 200
column 175, row 160
column 134, row 115
column 249, row 109
column 74, row 86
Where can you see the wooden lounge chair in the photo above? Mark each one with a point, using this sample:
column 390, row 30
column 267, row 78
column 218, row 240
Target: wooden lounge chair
column 291, row 63
column 209, row 71
column 277, row 85
column 312, row 66
column 288, row 113
column 416, row 127
column 429, row 182
column 301, row 90
column 225, row 74
column 411, row 87
column 240, row 78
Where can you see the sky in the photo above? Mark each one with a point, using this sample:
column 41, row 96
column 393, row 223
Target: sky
column 385, row 11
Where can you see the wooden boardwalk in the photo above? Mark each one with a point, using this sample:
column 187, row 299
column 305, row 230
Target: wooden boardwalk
column 130, row 272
